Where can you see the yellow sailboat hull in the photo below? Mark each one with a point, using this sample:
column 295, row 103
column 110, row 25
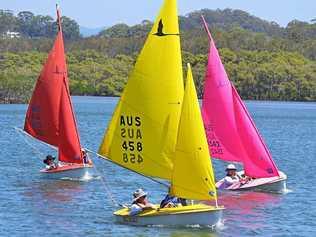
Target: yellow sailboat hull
column 197, row 214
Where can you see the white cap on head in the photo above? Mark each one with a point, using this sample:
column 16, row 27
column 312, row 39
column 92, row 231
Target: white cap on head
column 231, row 167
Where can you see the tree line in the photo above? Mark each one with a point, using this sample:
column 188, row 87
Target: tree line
column 264, row 61
column 32, row 26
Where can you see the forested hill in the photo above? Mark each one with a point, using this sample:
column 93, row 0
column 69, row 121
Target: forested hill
column 30, row 25
column 264, row 60
column 220, row 19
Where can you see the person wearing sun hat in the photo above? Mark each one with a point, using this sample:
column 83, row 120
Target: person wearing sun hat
column 140, row 202
column 49, row 162
column 231, row 176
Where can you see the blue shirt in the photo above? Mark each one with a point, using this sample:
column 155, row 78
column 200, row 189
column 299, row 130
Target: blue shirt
column 169, row 199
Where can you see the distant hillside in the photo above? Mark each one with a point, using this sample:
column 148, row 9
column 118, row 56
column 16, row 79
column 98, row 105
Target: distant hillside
column 233, row 29
column 264, row 61
column 87, row 32
column 226, row 19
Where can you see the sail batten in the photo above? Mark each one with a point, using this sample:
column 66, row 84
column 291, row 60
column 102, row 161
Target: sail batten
column 231, row 132
column 50, row 117
column 152, row 96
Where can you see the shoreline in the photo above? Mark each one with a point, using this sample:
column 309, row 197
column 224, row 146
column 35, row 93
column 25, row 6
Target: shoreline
column 17, row 102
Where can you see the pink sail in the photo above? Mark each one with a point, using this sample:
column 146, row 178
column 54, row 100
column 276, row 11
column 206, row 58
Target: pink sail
column 231, row 133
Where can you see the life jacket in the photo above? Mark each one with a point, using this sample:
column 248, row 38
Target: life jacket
column 169, row 199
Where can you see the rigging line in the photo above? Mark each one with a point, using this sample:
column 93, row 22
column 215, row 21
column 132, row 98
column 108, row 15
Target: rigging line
column 41, row 155
column 148, row 177
column 107, row 189
column 44, row 143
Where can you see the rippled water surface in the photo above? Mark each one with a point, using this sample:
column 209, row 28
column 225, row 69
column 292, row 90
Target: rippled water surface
column 32, row 206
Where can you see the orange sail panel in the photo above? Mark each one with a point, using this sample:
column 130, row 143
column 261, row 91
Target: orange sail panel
column 50, row 116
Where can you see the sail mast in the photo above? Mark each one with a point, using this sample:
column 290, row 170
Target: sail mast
column 66, row 84
column 207, row 29
column 58, row 19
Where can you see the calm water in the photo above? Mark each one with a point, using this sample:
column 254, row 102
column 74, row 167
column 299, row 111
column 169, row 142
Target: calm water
column 33, row 206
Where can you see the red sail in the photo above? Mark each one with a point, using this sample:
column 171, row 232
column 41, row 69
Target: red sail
column 50, row 116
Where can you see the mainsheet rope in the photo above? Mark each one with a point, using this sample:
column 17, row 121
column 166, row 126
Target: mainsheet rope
column 105, row 184
column 106, row 187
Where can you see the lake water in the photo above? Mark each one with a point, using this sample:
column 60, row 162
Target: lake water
column 33, row 206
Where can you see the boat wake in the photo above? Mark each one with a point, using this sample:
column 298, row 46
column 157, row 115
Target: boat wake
column 218, row 227
column 286, row 191
column 85, row 178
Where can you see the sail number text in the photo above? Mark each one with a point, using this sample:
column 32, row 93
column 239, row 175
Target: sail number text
column 132, row 143
column 213, row 143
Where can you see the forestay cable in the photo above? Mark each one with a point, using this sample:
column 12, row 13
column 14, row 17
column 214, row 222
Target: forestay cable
column 25, row 133
column 37, row 151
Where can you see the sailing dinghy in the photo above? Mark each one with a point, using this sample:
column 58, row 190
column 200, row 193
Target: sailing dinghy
column 157, row 130
column 50, row 117
column 231, row 132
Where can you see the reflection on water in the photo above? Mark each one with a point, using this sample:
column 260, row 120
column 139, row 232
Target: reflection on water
column 247, row 202
column 55, row 190
column 191, row 233
column 55, row 198
column 247, row 208
column 161, row 231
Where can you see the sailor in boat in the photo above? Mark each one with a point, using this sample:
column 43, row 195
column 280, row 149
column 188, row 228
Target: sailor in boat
column 172, row 201
column 232, row 177
column 140, row 203
column 50, row 162
column 85, row 156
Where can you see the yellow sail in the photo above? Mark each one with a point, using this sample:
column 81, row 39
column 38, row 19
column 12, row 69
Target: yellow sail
column 193, row 176
column 143, row 129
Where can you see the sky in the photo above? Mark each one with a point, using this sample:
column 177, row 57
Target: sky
column 99, row 13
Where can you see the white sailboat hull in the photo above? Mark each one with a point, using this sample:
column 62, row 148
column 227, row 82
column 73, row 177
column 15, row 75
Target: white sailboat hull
column 76, row 171
column 273, row 184
column 184, row 216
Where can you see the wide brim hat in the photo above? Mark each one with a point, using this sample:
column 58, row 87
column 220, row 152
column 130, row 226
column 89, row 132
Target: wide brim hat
column 138, row 194
column 231, row 167
column 49, row 157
